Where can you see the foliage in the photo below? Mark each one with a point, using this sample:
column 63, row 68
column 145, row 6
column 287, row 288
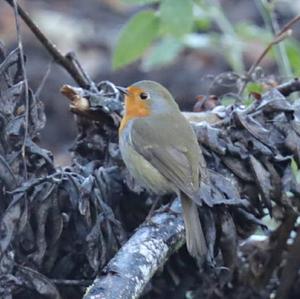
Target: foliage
column 160, row 36
column 136, row 36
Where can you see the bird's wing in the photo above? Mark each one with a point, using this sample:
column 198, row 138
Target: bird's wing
column 170, row 145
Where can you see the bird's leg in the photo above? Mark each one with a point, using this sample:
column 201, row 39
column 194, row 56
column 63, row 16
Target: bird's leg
column 151, row 212
column 166, row 208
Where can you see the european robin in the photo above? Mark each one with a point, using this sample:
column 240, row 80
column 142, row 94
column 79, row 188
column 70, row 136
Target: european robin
column 160, row 150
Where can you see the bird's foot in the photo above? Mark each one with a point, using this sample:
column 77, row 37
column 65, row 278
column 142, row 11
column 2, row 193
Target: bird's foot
column 152, row 210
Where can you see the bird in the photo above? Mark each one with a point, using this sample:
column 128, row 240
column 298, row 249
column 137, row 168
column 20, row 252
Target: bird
column 160, row 150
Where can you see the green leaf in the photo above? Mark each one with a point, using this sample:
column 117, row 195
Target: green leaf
column 293, row 50
column 254, row 87
column 203, row 23
column 294, row 167
column 141, row 2
column 200, row 2
column 176, row 16
column 202, row 16
column 295, row 170
column 227, row 100
column 251, row 32
column 164, row 52
column 135, row 38
column 248, row 101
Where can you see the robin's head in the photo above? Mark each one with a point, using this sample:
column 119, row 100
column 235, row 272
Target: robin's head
column 144, row 98
column 153, row 93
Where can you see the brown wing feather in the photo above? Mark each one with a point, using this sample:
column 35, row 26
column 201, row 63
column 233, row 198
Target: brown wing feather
column 170, row 145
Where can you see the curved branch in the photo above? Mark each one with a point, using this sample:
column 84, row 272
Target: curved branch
column 148, row 249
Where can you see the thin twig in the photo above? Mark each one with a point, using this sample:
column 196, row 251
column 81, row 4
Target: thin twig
column 268, row 13
column 44, row 79
column 285, row 32
column 277, row 39
column 72, row 282
column 51, row 48
column 74, row 60
column 289, row 25
column 24, row 74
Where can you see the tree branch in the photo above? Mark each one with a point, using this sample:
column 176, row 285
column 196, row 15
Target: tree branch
column 65, row 61
column 285, row 32
column 290, row 270
column 127, row 274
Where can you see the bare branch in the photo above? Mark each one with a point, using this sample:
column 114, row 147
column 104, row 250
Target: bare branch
column 285, row 32
column 65, row 61
column 147, row 250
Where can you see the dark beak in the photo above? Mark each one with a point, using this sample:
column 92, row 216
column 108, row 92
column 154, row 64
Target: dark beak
column 122, row 90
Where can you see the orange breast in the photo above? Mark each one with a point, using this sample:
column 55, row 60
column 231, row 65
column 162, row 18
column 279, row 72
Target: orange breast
column 135, row 107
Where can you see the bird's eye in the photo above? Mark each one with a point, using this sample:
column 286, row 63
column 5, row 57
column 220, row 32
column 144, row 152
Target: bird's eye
column 144, row 96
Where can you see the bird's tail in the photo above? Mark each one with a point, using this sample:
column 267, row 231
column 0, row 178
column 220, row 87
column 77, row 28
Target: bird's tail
column 195, row 240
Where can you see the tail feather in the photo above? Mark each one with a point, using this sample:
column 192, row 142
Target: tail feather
column 195, row 240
